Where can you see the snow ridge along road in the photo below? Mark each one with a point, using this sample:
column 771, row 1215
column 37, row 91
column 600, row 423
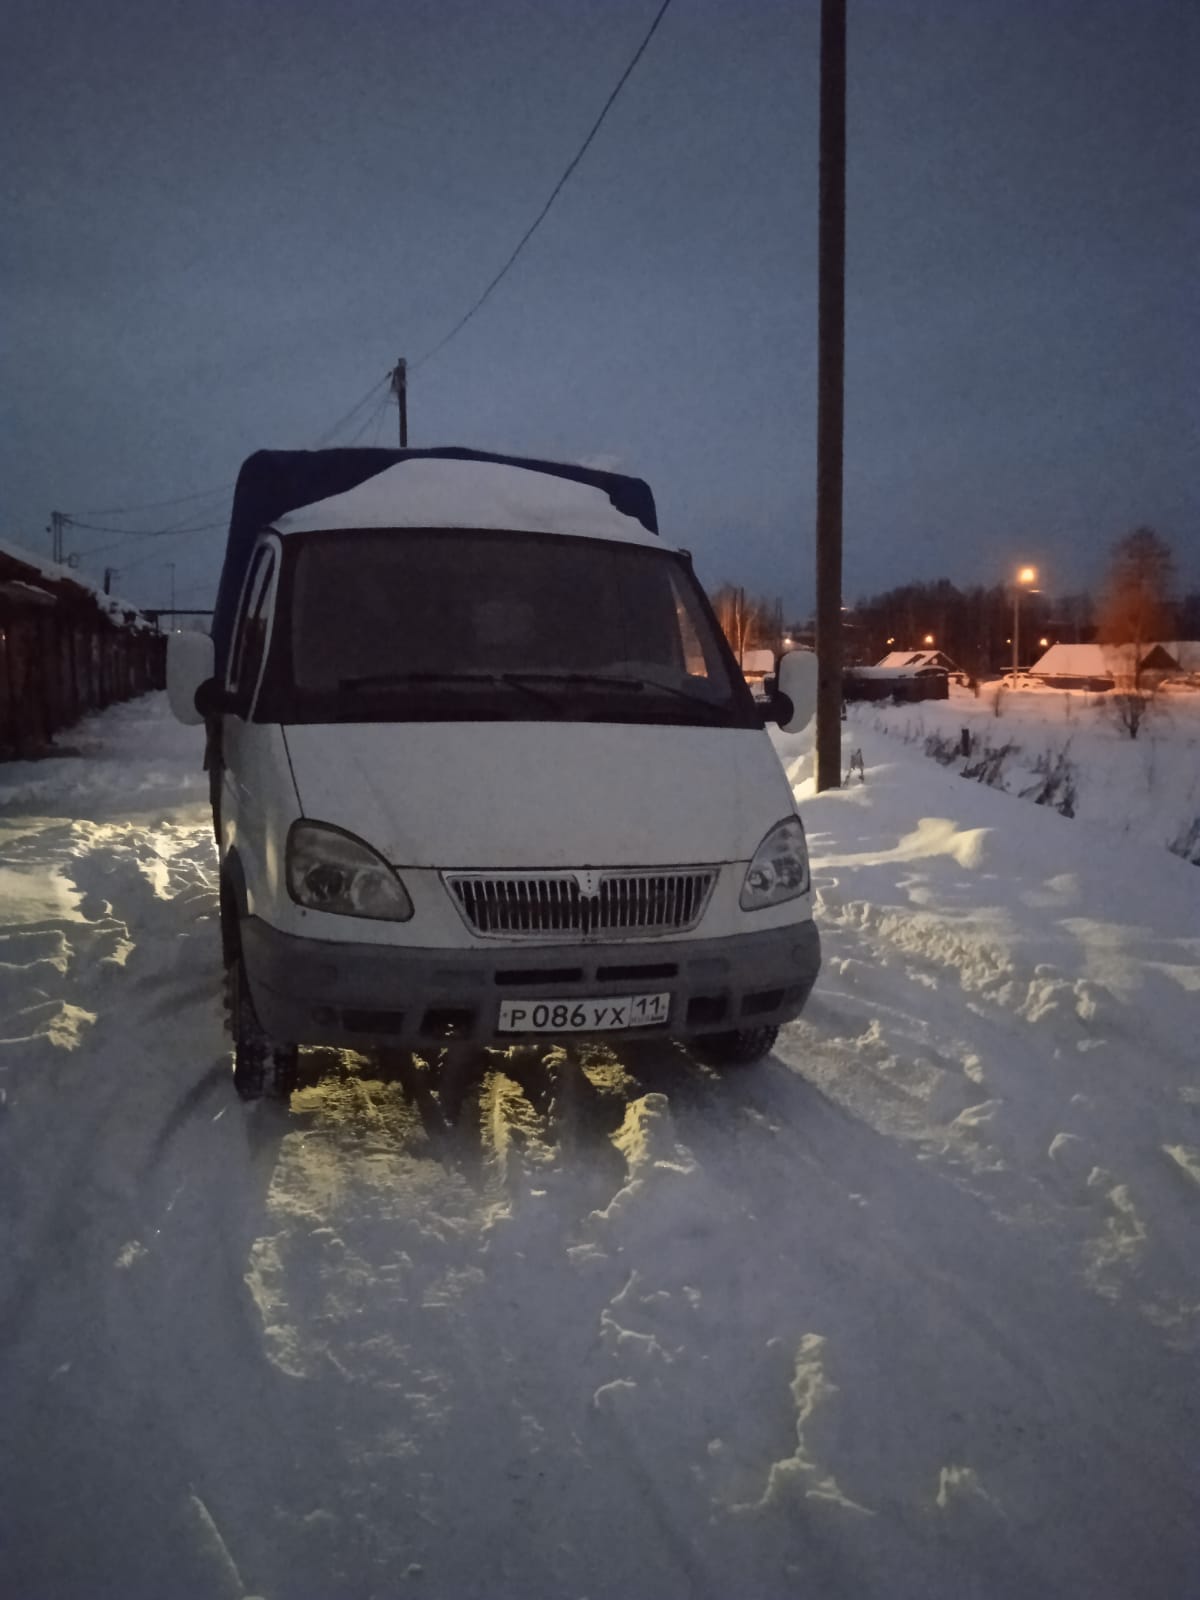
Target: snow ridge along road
column 911, row 1310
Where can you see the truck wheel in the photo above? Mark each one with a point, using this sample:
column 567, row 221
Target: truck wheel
column 259, row 1062
column 743, row 1047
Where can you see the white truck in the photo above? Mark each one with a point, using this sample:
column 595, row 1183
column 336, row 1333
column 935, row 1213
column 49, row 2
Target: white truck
column 484, row 769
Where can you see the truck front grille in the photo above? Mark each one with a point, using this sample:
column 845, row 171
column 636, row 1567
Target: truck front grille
column 591, row 905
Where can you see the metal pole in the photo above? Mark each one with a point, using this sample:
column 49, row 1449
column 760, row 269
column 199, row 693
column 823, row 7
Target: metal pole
column 1016, row 626
column 831, row 352
column 400, row 390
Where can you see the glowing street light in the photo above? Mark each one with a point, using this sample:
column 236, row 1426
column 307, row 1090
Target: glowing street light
column 928, row 638
column 1026, row 578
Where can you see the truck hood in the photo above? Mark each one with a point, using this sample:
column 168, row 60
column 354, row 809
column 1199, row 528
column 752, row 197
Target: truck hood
column 514, row 795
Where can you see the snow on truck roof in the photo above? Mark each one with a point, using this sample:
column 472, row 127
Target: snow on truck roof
column 435, row 493
column 451, row 486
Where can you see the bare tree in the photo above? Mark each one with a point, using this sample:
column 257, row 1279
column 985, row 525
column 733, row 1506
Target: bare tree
column 749, row 622
column 1135, row 612
column 1136, row 607
column 1131, row 707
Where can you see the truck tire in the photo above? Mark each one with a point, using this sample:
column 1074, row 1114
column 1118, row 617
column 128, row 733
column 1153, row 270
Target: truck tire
column 260, row 1063
column 742, row 1047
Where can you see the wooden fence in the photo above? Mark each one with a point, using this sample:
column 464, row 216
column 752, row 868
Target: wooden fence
column 65, row 650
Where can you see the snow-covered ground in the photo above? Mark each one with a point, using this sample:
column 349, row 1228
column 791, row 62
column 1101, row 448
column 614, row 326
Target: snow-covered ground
column 1146, row 788
column 911, row 1310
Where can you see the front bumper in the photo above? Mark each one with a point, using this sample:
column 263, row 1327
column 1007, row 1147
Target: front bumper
column 310, row 991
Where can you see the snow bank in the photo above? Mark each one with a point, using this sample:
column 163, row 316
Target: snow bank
column 1145, row 790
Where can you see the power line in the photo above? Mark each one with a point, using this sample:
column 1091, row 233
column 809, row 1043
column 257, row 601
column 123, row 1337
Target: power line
column 153, row 554
column 379, row 421
column 374, row 417
column 141, row 533
column 102, row 550
column 557, row 190
column 78, row 519
column 353, row 411
column 178, row 527
column 155, row 505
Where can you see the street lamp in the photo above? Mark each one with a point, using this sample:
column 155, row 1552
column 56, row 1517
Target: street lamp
column 928, row 638
column 1026, row 578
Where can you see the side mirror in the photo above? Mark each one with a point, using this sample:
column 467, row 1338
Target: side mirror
column 190, row 663
column 211, row 700
column 795, row 700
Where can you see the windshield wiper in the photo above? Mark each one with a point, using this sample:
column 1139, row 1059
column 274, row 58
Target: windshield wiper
column 576, row 679
column 384, row 680
column 526, row 681
column 387, row 680
column 602, row 680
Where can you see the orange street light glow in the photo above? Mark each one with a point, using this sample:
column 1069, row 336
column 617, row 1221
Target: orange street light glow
column 1027, row 575
column 928, row 638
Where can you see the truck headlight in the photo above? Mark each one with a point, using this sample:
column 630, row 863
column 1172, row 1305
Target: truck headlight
column 328, row 870
column 779, row 870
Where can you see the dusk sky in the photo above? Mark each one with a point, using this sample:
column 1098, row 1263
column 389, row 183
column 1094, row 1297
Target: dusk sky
column 224, row 221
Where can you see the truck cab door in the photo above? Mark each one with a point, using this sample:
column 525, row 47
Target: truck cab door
column 244, row 753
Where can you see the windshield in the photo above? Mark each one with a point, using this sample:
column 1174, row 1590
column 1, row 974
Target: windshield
column 380, row 625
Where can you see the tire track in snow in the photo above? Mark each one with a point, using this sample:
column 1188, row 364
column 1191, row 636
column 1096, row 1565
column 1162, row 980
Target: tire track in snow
column 1032, row 1395
column 415, row 1272
column 1020, row 1067
column 109, row 1337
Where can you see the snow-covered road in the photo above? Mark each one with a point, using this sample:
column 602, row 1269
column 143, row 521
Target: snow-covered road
column 911, row 1310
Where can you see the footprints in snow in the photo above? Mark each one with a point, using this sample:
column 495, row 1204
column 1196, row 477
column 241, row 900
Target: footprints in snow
column 101, row 906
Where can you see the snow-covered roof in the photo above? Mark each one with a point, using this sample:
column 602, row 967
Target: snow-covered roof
column 40, row 564
column 51, row 572
column 30, row 593
column 1072, row 661
column 428, row 492
column 917, row 658
column 1109, row 660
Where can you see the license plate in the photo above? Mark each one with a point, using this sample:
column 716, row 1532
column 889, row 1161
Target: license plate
column 614, row 1012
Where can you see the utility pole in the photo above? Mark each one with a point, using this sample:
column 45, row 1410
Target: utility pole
column 109, row 574
column 400, row 390
column 56, row 536
column 171, row 564
column 831, row 354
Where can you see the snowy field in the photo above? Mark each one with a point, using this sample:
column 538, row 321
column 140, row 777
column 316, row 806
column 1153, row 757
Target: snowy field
column 1147, row 789
column 913, row 1309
